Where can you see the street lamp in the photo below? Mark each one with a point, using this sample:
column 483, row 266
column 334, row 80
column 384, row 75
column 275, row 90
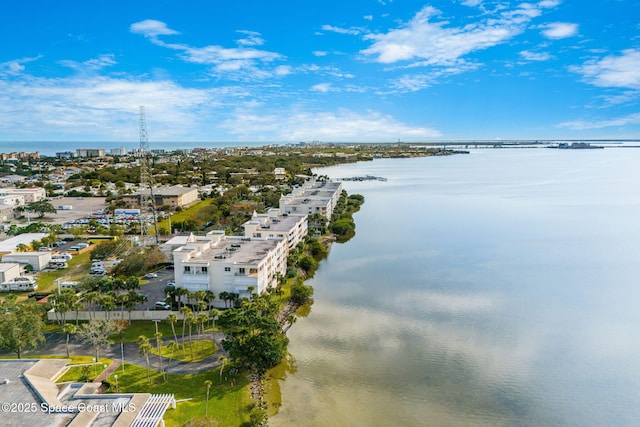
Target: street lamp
column 116, row 378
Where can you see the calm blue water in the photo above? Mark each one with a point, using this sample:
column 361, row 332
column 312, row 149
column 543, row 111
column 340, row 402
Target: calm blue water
column 495, row 288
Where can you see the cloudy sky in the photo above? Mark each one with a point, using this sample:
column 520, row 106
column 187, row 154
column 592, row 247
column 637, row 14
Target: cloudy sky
column 289, row 71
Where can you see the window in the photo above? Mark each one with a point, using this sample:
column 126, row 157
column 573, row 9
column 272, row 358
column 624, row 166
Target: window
column 187, row 269
column 227, row 269
column 205, row 269
column 241, row 270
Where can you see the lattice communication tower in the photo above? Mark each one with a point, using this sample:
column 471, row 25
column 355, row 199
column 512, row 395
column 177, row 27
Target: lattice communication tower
column 147, row 199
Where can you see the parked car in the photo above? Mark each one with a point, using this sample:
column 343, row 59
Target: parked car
column 150, row 276
column 161, row 306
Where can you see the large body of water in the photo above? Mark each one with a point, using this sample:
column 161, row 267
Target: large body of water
column 500, row 287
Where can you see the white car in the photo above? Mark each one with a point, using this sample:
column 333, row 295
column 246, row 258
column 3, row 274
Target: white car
column 150, row 276
column 161, row 306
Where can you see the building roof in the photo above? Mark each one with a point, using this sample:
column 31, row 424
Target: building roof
column 12, row 243
column 31, row 383
column 176, row 190
column 6, row 266
column 237, row 250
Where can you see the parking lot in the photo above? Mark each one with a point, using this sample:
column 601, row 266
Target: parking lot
column 82, row 207
column 153, row 289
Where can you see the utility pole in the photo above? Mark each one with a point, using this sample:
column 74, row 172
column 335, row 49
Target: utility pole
column 147, row 199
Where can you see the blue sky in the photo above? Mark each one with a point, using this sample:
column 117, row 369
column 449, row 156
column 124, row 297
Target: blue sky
column 289, row 71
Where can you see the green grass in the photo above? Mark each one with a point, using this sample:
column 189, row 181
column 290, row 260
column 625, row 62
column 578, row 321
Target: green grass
column 227, row 405
column 185, row 214
column 148, row 329
column 76, row 271
column 76, row 373
column 202, row 349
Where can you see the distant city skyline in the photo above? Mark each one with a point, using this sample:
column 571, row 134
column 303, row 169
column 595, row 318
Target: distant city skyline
column 254, row 72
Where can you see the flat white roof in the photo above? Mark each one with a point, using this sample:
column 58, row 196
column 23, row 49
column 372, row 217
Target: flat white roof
column 5, row 266
column 12, row 243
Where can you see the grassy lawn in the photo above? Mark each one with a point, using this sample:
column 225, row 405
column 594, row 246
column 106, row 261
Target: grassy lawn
column 185, row 214
column 227, row 405
column 202, row 349
column 148, row 329
column 84, row 373
column 76, row 271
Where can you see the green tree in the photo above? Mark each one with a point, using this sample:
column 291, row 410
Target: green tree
column 223, row 361
column 300, row 293
column 253, row 338
column 41, row 207
column 96, row 333
column 144, row 348
column 21, row 327
column 173, row 319
column 69, row 329
column 207, row 384
column 172, row 347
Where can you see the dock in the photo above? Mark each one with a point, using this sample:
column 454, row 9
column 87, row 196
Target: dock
column 362, row 178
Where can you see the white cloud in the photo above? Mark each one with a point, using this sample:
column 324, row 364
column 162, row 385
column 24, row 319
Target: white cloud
column 242, row 63
column 612, row 70
column 535, row 56
column 93, row 64
column 351, row 31
column 471, row 3
column 632, row 119
column 16, row 66
column 343, row 125
column 559, row 30
column 320, row 53
column 322, row 87
column 435, row 43
column 98, row 108
column 152, row 28
column 548, row 4
column 368, row 17
column 253, row 39
column 412, row 83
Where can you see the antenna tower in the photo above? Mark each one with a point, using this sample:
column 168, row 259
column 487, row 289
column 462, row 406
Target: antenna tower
column 147, row 199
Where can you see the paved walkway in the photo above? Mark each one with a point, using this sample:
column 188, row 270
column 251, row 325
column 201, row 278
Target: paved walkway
column 55, row 345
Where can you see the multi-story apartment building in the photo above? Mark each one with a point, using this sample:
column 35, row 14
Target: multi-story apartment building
column 291, row 227
column 220, row 263
column 90, row 152
column 312, row 197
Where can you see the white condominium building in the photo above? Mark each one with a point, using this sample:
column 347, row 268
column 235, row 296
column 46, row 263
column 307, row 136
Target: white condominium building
column 273, row 224
column 312, row 197
column 222, row 263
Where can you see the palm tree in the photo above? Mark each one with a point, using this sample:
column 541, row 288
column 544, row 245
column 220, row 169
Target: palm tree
column 69, row 328
column 224, row 296
column 186, row 311
column 207, row 383
column 201, row 320
column 191, row 319
column 91, row 298
column 158, row 344
column 223, row 360
column 144, row 347
column 173, row 318
column 172, row 346
column 108, row 303
column 180, row 292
